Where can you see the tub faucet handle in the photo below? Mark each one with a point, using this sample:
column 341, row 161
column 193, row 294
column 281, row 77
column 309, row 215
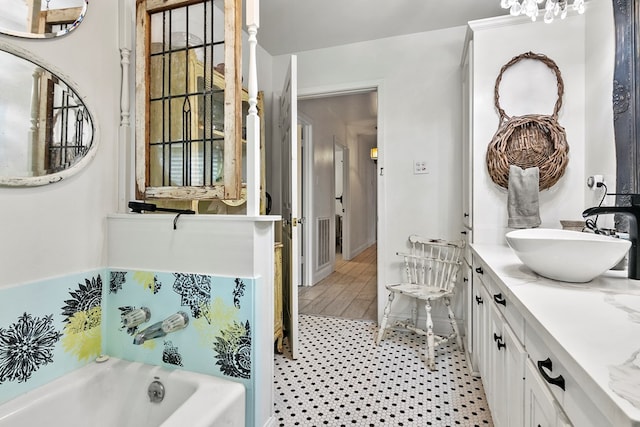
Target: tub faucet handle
column 135, row 317
column 175, row 322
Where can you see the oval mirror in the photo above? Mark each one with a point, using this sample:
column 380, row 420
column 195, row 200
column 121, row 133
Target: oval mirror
column 46, row 132
column 41, row 18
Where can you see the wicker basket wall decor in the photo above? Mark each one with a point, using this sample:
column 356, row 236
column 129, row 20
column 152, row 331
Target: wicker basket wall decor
column 530, row 140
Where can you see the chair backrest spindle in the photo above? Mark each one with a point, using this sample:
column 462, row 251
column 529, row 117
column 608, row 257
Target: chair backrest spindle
column 433, row 262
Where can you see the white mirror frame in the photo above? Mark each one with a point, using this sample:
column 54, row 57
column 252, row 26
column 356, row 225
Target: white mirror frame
column 24, row 34
column 34, row 181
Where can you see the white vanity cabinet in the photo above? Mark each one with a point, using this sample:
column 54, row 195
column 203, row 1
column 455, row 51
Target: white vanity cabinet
column 517, row 393
column 467, row 214
column 529, row 378
column 505, row 300
column 499, row 351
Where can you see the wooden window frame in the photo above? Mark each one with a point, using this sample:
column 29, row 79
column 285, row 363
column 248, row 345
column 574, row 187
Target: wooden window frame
column 230, row 188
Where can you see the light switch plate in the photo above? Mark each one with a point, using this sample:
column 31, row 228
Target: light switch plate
column 419, row 167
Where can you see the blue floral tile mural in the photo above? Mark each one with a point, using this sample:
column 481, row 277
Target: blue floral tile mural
column 117, row 278
column 218, row 339
column 233, row 350
column 48, row 328
column 171, row 355
column 37, row 347
column 84, row 298
column 148, row 281
column 195, row 292
column 238, row 292
column 25, row 346
column 82, row 319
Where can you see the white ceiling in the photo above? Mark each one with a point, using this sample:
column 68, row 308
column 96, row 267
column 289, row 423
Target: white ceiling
column 289, row 26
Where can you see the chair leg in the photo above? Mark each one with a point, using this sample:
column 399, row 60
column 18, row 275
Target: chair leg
column 385, row 318
column 414, row 312
column 430, row 339
column 454, row 324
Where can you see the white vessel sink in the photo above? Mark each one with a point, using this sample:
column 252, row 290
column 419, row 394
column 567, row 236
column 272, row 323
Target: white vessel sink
column 569, row 256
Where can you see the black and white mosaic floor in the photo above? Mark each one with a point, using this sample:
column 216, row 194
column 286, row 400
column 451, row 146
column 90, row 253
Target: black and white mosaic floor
column 342, row 378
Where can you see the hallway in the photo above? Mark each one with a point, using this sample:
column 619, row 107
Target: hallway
column 349, row 292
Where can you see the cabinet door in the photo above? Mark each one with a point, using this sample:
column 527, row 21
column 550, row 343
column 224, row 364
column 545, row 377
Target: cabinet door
column 496, row 377
column 467, row 106
column 477, row 306
column 504, row 378
column 467, row 293
column 484, row 338
column 539, row 407
column 514, row 359
column 483, row 330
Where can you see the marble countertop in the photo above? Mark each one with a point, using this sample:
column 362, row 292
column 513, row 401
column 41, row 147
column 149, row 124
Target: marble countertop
column 593, row 328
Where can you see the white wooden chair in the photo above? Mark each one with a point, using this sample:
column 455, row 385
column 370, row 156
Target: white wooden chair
column 431, row 268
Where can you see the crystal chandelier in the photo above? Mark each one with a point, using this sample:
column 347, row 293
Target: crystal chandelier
column 552, row 8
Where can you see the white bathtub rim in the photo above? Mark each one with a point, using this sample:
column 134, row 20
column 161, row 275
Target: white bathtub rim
column 199, row 402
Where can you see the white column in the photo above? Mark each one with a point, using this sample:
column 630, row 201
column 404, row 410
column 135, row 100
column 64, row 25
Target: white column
column 253, row 121
column 124, row 133
column 36, row 155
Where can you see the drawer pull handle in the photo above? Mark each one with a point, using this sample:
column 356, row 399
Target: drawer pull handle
column 498, row 339
column 464, row 279
column 499, row 299
column 546, row 364
column 466, row 215
column 479, row 270
column 463, row 232
column 478, row 300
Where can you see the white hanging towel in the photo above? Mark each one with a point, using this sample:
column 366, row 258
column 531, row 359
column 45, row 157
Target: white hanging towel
column 522, row 199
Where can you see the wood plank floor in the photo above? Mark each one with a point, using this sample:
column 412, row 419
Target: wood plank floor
column 349, row 292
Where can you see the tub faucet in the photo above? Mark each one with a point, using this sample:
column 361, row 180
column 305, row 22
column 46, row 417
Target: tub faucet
column 633, row 212
column 172, row 323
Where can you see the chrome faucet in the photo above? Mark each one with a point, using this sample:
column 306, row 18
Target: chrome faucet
column 160, row 329
column 633, row 212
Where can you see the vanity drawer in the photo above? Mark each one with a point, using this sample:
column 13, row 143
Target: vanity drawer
column 501, row 300
column 573, row 400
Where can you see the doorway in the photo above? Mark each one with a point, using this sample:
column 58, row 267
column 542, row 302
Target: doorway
column 341, row 222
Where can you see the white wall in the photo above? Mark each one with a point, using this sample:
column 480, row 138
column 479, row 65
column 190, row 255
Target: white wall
column 223, row 245
column 362, row 191
column 60, row 228
column 532, row 91
column 418, row 77
column 418, row 82
column 600, row 56
column 585, row 58
column 326, row 129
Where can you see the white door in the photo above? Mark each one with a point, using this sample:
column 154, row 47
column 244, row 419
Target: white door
column 290, row 228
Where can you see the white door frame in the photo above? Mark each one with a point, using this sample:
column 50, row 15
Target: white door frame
column 307, row 193
column 355, row 87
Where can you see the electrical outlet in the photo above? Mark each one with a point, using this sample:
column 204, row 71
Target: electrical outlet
column 594, row 180
column 419, row 167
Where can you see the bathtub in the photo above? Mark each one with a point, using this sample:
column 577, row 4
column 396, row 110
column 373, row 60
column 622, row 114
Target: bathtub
column 115, row 393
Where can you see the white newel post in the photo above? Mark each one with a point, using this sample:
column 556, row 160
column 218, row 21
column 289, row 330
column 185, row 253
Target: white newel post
column 253, row 121
column 124, row 133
